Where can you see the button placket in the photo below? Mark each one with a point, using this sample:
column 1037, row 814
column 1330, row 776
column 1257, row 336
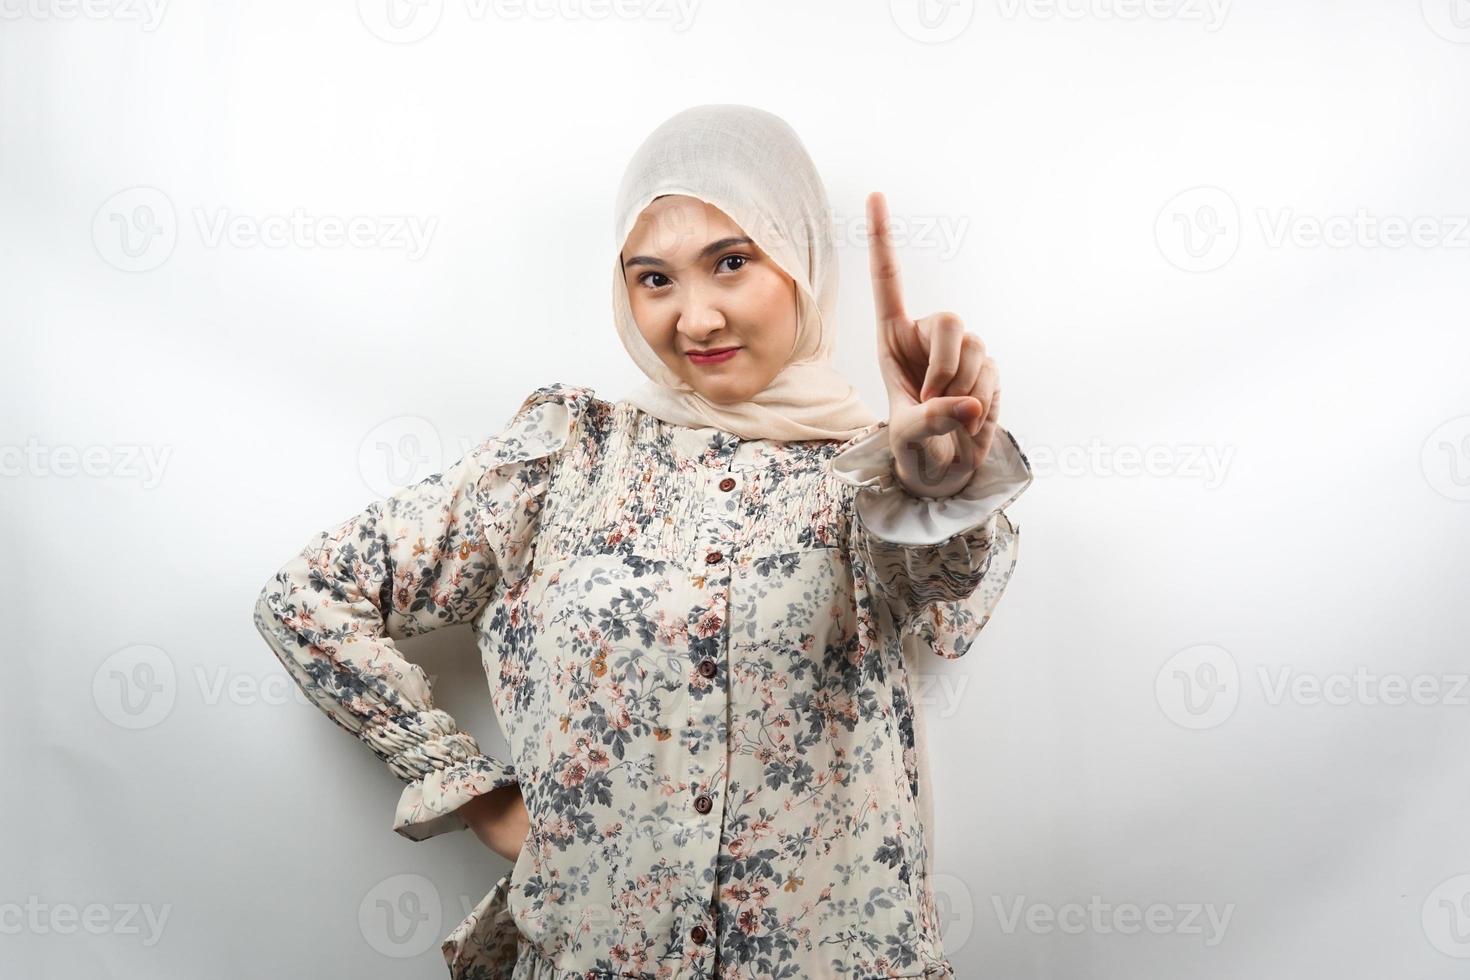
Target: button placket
column 720, row 511
column 717, row 538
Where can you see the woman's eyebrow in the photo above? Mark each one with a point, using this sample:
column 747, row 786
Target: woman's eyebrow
column 704, row 252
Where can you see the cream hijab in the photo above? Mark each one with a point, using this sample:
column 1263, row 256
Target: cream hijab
column 751, row 165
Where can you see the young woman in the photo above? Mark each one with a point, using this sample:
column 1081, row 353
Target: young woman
column 695, row 606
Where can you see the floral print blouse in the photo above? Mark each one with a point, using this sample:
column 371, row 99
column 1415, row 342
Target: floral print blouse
column 698, row 649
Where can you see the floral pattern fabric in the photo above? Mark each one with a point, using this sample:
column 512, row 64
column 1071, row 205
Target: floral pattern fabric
column 699, row 649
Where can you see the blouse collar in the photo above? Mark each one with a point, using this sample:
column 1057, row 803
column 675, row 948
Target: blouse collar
column 715, row 448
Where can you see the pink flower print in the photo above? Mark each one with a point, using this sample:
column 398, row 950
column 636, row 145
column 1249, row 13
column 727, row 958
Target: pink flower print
column 671, row 631
column 573, row 773
column 710, row 623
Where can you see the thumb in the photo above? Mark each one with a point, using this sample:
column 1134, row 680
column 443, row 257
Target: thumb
column 936, row 417
column 944, row 415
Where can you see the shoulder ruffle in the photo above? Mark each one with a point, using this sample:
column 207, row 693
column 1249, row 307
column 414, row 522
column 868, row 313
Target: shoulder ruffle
column 541, row 427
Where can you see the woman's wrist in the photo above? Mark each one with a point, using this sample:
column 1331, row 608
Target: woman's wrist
column 499, row 819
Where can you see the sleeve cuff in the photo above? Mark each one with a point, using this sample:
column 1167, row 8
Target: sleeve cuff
column 949, row 628
column 891, row 513
column 428, row 805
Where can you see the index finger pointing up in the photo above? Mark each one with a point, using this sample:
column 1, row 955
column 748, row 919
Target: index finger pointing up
column 883, row 263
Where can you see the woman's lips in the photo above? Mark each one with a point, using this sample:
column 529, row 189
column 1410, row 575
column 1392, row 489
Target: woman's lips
column 714, row 357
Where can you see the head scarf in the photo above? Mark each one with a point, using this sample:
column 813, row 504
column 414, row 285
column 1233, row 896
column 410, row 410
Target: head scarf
column 752, row 166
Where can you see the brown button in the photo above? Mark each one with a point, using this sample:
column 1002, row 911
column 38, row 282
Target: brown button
column 702, row 804
column 698, row 934
column 728, row 483
column 708, row 668
column 713, row 558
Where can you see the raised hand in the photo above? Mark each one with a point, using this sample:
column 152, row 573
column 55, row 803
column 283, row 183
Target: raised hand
column 943, row 390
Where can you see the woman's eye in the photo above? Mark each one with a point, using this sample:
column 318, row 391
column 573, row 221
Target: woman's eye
column 734, row 258
column 644, row 279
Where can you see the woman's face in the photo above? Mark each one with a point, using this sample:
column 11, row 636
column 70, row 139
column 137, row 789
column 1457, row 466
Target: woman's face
column 697, row 283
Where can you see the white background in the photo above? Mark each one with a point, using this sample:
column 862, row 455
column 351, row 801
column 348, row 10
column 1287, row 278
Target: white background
column 1229, row 240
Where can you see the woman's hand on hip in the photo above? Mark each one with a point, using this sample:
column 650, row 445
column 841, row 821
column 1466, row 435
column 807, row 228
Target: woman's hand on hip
column 500, row 819
column 943, row 389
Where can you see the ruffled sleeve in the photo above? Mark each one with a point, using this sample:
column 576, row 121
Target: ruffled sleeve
column 940, row 565
column 431, row 555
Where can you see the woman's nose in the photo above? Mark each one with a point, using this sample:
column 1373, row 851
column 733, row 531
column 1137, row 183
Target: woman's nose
column 698, row 320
